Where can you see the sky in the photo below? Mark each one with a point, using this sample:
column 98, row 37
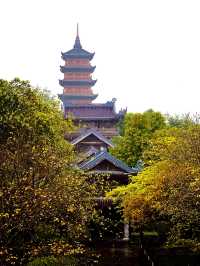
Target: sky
column 147, row 52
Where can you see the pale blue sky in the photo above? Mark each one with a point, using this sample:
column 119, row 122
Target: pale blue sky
column 147, row 51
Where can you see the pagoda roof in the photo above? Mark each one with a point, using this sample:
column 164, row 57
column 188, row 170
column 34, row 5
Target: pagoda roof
column 105, row 156
column 77, row 83
column 87, row 154
column 92, row 150
column 92, row 111
column 94, row 132
column 80, row 69
column 77, row 54
column 66, row 97
column 77, row 51
column 107, row 105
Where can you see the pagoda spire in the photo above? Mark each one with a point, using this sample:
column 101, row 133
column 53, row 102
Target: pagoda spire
column 77, row 30
column 77, row 44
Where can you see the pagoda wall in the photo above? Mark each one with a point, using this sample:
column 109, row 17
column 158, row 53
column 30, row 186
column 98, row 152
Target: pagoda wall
column 78, row 91
column 77, row 62
column 107, row 128
column 80, row 101
column 99, row 124
column 77, row 76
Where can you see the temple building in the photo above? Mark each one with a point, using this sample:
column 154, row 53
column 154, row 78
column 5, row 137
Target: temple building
column 97, row 123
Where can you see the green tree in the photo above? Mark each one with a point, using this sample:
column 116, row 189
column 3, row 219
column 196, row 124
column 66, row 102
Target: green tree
column 44, row 205
column 137, row 131
column 182, row 121
column 168, row 186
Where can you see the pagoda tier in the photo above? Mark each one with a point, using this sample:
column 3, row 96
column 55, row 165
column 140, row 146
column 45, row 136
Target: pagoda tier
column 94, row 112
column 99, row 116
column 77, row 81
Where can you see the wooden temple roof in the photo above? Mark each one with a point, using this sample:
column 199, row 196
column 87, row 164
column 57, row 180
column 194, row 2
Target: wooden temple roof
column 92, row 162
column 89, row 132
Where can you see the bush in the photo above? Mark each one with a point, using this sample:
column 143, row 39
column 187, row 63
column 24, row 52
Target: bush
column 44, row 261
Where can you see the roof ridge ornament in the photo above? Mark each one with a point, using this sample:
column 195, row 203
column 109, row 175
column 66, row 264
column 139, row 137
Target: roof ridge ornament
column 77, row 44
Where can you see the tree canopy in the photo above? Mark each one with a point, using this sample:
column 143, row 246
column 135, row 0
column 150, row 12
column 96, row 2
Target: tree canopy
column 136, row 130
column 169, row 186
column 44, row 204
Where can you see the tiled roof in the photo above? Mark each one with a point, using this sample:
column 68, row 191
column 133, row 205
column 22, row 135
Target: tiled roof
column 65, row 97
column 91, row 111
column 65, row 69
column 89, row 132
column 77, row 51
column 74, row 83
column 92, row 150
column 104, row 155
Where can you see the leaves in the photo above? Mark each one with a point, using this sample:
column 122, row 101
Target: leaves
column 137, row 131
column 168, row 188
column 44, row 204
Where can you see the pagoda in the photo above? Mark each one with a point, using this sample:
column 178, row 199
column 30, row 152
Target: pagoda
column 77, row 80
column 97, row 122
column 78, row 96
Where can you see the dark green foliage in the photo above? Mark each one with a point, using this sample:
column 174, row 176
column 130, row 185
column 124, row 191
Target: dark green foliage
column 107, row 223
column 44, row 261
column 182, row 121
column 137, row 130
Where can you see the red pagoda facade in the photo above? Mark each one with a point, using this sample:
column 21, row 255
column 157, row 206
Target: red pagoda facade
column 77, row 96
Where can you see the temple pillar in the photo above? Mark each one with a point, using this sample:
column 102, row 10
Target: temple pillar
column 126, row 231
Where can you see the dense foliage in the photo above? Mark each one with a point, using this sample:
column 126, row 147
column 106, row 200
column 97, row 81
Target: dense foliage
column 168, row 188
column 44, row 205
column 136, row 129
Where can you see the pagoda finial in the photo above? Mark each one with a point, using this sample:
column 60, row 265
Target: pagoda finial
column 77, row 44
column 77, row 30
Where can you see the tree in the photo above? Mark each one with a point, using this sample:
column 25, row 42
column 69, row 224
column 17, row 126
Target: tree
column 182, row 121
column 137, row 130
column 169, row 186
column 44, row 204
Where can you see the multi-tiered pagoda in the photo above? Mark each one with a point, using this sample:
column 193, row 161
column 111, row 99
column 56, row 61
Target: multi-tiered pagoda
column 97, row 121
column 77, row 97
column 77, row 80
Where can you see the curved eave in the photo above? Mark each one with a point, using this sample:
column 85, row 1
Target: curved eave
column 75, row 97
column 77, row 54
column 65, row 69
column 77, row 83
